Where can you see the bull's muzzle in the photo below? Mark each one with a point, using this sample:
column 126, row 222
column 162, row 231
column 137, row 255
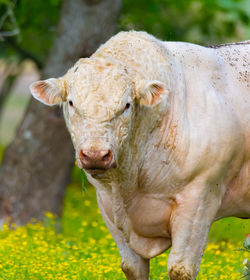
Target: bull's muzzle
column 97, row 161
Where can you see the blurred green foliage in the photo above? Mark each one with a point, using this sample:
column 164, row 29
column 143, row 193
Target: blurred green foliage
column 198, row 21
column 204, row 22
column 36, row 22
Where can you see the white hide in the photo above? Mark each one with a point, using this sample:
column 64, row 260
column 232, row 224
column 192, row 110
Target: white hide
column 181, row 146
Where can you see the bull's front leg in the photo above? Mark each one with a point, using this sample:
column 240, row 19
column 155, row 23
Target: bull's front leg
column 190, row 222
column 134, row 266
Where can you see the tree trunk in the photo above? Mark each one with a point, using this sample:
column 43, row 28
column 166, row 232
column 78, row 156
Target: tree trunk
column 36, row 166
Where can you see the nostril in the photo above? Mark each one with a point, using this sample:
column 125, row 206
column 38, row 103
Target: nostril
column 107, row 157
column 83, row 155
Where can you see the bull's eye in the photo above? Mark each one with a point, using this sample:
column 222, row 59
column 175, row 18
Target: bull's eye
column 127, row 106
column 71, row 103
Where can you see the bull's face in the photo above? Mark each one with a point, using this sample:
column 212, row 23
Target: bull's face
column 100, row 100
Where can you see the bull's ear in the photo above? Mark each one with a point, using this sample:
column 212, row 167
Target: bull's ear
column 49, row 92
column 151, row 93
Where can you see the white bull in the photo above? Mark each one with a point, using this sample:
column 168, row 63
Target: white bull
column 162, row 130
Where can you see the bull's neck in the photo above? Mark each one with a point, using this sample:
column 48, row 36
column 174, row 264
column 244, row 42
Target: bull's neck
column 160, row 129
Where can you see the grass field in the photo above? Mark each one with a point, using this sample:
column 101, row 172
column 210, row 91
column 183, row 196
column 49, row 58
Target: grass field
column 78, row 246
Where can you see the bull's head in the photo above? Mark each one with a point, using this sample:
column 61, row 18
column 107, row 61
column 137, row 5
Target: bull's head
column 100, row 101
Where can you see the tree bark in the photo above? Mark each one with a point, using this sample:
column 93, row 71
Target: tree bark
column 36, row 166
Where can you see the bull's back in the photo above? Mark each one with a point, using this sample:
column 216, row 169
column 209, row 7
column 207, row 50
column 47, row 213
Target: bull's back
column 236, row 58
column 226, row 68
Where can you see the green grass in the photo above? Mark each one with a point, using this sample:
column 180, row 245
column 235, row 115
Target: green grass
column 78, row 246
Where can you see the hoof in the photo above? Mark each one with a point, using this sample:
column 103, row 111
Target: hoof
column 179, row 272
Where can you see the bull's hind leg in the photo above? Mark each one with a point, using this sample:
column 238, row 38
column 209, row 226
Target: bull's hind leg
column 190, row 223
column 134, row 266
